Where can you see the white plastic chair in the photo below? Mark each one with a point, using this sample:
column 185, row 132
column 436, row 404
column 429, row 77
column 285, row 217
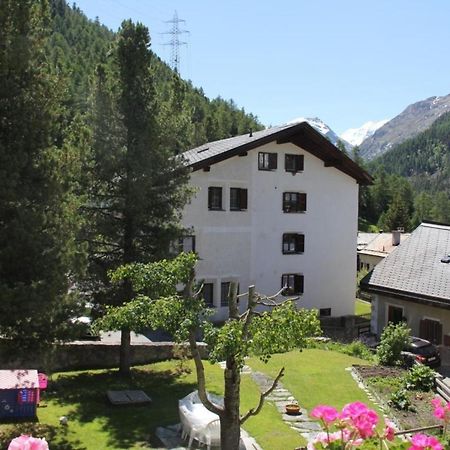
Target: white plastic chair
column 210, row 434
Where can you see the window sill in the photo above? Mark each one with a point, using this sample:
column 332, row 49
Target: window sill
column 236, row 209
column 292, row 253
column 267, row 170
column 294, row 212
column 215, row 209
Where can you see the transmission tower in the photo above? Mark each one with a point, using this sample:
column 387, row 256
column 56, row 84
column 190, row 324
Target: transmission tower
column 175, row 42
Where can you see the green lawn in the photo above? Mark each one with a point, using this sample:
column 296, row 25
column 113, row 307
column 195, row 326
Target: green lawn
column 362, row 307
column 313, row 376
column 316, row 376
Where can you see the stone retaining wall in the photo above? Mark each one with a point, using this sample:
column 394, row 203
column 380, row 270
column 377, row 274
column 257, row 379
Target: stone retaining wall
column 90, row 355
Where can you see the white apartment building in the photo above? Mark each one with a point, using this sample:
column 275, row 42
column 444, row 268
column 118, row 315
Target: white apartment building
column 275, row 208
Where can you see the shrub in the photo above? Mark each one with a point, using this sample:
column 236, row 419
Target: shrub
column 358, row 349
column 400, row 400
column 420, row 378
column 393, row 340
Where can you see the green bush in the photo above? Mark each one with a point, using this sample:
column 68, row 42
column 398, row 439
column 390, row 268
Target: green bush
column 358, row 350
column 393, row 340
column 400, row 400
column 420, row 378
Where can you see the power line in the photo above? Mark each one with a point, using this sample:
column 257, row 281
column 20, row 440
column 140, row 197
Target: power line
column 175, row 42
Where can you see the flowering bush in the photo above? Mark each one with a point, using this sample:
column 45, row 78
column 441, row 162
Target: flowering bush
column 25, row 442
column 356, row 423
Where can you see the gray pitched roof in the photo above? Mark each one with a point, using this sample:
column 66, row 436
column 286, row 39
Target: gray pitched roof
column 415, row 266
column 215, row 148
column 300, row 134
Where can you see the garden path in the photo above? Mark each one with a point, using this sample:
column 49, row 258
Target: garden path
column 281, row 397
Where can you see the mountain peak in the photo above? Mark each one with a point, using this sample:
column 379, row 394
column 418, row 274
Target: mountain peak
column 322, row 128
column 415, row 118
column 357, row 135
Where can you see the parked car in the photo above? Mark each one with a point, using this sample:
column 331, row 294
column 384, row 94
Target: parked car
column 421, row 351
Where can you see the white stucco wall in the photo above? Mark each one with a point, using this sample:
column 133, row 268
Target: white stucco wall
column 247, row 245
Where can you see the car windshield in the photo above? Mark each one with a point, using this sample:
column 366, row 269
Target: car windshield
column 425, row 350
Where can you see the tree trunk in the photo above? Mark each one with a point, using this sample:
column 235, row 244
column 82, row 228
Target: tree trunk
column 125, row 352
column 230, row 429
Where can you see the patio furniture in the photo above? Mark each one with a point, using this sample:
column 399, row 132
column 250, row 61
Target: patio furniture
column 210, row 434
column 197, row 422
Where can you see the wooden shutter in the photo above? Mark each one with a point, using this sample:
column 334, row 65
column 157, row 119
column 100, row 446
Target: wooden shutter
column 210, row 197
column 300, row 162
column 302, row 202
column 300, row 243
column 298, row 284
column 243, row 198
column 273, row 158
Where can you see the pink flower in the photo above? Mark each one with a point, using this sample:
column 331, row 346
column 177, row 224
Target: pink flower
column 360, row 417
column 25, row 442
column 389, row 431
column 441, row 410
column 324, row 439
column 353, row 410
column 326, row 413
column 425, row 442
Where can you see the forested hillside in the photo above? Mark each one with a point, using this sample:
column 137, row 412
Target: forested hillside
column 425, row 159
column 77, row 45
column 412, row 181
column 90, row 122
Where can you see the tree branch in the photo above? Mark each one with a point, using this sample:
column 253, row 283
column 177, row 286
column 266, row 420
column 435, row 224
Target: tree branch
column 254, row 411
column 201, row 377
column 232, row 301
column 249, row 313
column 199, row 368
column 274, row 304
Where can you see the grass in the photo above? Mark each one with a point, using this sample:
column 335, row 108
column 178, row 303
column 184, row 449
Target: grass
column 316, row 376
column 362, row 307
column 312, row 376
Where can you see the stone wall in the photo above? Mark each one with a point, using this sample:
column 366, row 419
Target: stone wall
column 89, row 355
column 344, row 328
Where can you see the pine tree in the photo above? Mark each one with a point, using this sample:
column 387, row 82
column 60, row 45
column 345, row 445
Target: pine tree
column 39, row 192
column 139, row 186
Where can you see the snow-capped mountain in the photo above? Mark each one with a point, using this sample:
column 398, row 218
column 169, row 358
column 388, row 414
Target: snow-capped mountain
column 321, row 127
column 357, row 135
column 416, row 118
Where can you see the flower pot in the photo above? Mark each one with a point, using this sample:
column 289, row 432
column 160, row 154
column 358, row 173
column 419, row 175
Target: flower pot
column 293, row 409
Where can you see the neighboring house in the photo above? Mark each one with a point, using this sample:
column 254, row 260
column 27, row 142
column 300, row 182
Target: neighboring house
column 412, row 284
column 275, row 208
column 374, row 247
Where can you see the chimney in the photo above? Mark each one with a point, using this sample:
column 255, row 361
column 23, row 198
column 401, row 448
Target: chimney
column 396, row 234
column 251, row 133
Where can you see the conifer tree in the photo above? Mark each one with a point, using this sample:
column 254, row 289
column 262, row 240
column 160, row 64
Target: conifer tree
column 39, row 194
column 138, row 185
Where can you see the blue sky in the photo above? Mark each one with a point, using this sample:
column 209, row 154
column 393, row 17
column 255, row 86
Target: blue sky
column 344, row 61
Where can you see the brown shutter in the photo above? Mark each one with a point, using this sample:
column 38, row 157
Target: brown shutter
column 298, row 284
column 300, row 243
column 302, row 201
column 273, row 158
column 243, row 198
column 300, row 162
column 439, row 333
column 210, row 194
